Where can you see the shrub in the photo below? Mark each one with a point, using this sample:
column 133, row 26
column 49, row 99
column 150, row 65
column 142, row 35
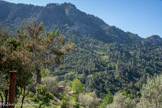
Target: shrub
column 88, row 100
column 51, row 84
column 107, row 100
column 43, row 95
column 121, row 101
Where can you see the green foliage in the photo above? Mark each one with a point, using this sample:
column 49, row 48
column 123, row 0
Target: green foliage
column 14, row 57
column 64, row 104
column 121, row 101
column 51, row 84
column 105, row 57
column 115, row 60
column 56, row 32
column 126, row 67
column 45, row 50
column 77, row 86
column 151, row 93
column 125, row 94
column 88, row 100
column 28, row 54
column 76, row 105
column 43, row 95
column 14, row 44
column 45, row 73
column 107, row 100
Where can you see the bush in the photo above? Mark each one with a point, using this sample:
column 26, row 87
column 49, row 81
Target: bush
column 107, row 100
column 121, row 101
column 43, row 95
column 51, row 84
column 88, row 100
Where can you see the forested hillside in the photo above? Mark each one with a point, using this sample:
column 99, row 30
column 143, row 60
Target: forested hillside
column 105, row 58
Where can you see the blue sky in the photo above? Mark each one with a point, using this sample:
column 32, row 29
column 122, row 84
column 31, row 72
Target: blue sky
column 142, row 17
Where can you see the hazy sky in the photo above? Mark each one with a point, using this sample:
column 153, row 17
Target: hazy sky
column 143, row 17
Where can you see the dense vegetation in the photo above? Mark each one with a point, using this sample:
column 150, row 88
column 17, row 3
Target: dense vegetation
column 106, row 60
column 111, row 67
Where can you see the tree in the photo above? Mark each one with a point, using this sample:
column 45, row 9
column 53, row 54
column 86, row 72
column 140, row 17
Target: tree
column 77, row 86
column 151, row 93
column 47, row 50
column 29, row 53
column 107, row 100
column 14, row 57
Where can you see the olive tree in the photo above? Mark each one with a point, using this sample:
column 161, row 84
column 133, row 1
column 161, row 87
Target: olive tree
column 151, row 93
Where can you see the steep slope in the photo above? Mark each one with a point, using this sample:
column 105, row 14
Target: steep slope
column 105, row 58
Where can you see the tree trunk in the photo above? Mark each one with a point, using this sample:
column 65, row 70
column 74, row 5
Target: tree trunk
column 23, row 98
column 1, row 100
column 26, row 93
column 38, row 76
column 22, row 101
column 6, row 95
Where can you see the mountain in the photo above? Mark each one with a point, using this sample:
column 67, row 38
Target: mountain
column 105, row 58
column 64, row 16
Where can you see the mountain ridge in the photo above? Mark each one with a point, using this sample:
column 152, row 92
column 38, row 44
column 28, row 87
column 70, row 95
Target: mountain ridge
column 65, row 15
